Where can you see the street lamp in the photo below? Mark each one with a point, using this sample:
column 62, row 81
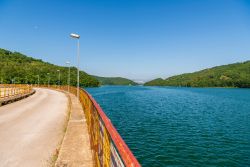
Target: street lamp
column 68, row 63
column 76, row 36
column 59, row 77
column 48, row 79
column 37, row 80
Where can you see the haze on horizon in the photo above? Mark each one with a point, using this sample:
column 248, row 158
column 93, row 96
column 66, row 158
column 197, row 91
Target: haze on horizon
column 140, row 40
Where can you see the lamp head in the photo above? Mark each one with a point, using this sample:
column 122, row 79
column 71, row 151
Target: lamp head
column 75, row 35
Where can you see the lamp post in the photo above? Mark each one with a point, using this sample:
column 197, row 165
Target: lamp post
column 76, row 36
column 37, row 80
column 48, row 79
column 68, row 63
column 59, row 78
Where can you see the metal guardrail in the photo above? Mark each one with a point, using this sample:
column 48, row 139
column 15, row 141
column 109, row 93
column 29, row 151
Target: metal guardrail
column 108, row 147
column 11, row 90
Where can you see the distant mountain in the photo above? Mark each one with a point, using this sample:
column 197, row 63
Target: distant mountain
column 20, row 68
column 114, row 81
column 155, row 82
column 231, row 75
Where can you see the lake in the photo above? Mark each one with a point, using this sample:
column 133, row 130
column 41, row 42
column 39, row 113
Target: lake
column 170, row 126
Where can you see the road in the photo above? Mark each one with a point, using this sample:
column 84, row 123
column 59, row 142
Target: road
column 32, row 129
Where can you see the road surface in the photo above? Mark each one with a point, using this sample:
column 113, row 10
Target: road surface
column 31, row 129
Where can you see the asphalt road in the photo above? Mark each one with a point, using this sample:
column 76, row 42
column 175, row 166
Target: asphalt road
column 31, row 129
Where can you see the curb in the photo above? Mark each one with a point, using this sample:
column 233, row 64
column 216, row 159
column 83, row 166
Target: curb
column 56, row 163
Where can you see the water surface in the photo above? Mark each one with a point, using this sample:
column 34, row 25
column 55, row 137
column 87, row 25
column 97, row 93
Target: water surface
column 168, row 126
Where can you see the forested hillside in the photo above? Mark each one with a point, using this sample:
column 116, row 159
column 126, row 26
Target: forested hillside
column 18, row 68
column 114, row 81
column 232, row 75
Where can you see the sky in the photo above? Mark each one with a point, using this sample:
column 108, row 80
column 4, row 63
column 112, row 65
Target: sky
column 136, row 39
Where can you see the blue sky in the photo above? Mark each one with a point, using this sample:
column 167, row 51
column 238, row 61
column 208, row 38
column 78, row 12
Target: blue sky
column 137, row 39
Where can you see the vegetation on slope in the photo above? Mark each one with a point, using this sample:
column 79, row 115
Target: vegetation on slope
column 18, row 68
column 115, row 81
column 232, row 75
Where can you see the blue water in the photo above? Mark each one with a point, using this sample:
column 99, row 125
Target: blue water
column 168, row 126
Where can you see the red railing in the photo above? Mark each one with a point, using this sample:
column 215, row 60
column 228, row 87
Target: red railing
column 117, row 152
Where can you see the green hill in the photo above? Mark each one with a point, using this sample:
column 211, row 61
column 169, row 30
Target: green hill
column 114, row 81
column 19, row 68
column 232, row 75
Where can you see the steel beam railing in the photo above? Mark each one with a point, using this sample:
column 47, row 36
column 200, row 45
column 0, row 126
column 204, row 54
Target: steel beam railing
column 12, row 90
